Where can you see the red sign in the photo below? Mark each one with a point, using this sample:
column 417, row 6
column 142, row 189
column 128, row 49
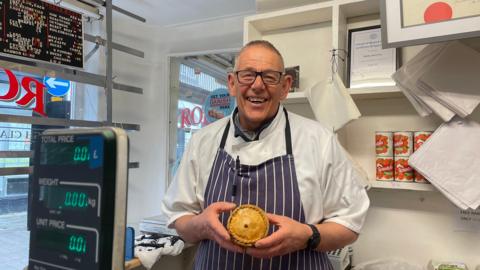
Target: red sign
column 192, row 117
column 29, row 97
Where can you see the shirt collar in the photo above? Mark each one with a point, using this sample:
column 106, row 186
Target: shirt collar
column 250, row 136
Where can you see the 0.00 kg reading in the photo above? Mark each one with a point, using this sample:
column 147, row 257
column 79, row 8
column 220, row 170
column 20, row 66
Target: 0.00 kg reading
column 75, row 199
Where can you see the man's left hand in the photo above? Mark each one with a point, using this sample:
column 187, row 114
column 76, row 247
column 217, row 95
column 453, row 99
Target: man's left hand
column 290, row 236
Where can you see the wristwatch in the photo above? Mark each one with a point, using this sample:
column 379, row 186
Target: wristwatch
column 314, row 240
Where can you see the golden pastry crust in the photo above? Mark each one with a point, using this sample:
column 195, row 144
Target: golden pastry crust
column 247, row 224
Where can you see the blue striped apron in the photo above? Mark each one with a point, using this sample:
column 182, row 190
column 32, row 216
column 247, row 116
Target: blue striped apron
column 271, row 185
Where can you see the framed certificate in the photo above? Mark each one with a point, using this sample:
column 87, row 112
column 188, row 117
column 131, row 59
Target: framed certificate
column 369, row 65
column 414, row 22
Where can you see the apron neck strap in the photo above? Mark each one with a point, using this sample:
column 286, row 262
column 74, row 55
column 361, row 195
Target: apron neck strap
column 288, row 137
column 224, row 136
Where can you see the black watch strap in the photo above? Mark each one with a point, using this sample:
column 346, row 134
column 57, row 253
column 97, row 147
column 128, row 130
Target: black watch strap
column 314, row 239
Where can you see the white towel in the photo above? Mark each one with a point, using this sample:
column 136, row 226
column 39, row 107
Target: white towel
column 420, row 106
column 449, row 160
column 453, row 78
column 331, row 103
column 407, row 76
column 150, row 248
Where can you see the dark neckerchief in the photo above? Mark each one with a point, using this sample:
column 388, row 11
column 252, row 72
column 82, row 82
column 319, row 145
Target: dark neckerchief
column 246, row 135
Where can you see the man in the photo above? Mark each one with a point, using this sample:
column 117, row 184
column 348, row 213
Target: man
column 290, row 166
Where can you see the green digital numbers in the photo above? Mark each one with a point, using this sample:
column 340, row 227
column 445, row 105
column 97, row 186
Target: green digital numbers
column 75, row 199
column 77, row 244
column 81, row 153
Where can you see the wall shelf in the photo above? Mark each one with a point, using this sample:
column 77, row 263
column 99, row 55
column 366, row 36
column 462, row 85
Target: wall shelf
column 356, row 93
column 401, row 185
column 296, row 98
column 288, row 18
column 375, row 92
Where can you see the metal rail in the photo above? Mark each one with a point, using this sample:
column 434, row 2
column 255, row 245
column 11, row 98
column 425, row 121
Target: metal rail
column 42, row 121
column 108, row 60
column 16, row 154
column 100, row 41
column 71, row 74
column 29, row 170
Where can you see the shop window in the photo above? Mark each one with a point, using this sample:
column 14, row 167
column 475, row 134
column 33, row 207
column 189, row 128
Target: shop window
column 194, row 82
column 17, row 138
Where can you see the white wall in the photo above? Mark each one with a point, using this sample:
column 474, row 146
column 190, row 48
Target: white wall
column 416, row 226
column 150, row 110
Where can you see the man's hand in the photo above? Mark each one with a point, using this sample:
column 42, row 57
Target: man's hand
column 290, row 236
column 207, row 225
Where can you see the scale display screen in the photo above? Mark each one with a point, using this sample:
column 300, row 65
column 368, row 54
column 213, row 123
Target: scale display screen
column 71, row 242
column 84, row 151
column 69, row 197
column 64, row 153
column 72, row 200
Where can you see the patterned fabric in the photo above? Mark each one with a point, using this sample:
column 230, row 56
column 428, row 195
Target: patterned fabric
column 243, row 184
column 150, row 248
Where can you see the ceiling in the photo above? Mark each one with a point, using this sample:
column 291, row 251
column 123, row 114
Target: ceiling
column 269, row 5
column 174, row 12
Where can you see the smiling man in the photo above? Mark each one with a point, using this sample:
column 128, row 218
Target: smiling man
column 258, row 83
column 290, row 166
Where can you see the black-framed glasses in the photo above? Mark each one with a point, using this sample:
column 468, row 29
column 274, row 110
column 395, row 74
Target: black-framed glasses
column 269, row 77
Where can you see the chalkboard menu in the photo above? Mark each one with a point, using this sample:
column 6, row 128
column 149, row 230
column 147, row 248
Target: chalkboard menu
column 38, row 30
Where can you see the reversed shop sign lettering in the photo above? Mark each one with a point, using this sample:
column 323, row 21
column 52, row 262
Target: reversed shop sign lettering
column 28, row 84
column 193, row 117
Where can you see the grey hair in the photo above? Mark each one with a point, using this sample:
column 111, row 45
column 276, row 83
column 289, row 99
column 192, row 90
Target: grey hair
column 260, row 43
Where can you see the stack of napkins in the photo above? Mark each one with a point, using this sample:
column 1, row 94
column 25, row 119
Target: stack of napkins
column 449, row 160
column 331, row 103
column 443, row 78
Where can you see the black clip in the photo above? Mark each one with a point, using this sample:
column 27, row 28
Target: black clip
column 237, row 174
column 334, row 61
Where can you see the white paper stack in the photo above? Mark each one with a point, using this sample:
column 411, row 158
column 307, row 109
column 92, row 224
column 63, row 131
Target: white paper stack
column 443, row 78
column 449, row 160
column 331, row 103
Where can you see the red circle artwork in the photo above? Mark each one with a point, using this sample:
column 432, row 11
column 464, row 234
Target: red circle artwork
column 438, row 11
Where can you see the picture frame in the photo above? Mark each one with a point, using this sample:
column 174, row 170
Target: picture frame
column 369, row 65
column 295, row 73
column 415, row 22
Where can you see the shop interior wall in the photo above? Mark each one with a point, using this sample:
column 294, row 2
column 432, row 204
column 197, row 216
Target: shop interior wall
column 415, row 226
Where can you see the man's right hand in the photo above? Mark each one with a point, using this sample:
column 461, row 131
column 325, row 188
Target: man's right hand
column 207, row 225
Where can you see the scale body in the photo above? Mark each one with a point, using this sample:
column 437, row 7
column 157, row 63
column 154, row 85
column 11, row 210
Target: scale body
column 77, row 200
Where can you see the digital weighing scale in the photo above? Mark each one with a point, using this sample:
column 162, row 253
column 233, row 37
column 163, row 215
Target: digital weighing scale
column 77, row 200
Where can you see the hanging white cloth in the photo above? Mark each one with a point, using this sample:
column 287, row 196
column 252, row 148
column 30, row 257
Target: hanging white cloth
column 453, row 78
column 331, row 103
column 407, row 77
column 452, row 167
column 443, row 78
